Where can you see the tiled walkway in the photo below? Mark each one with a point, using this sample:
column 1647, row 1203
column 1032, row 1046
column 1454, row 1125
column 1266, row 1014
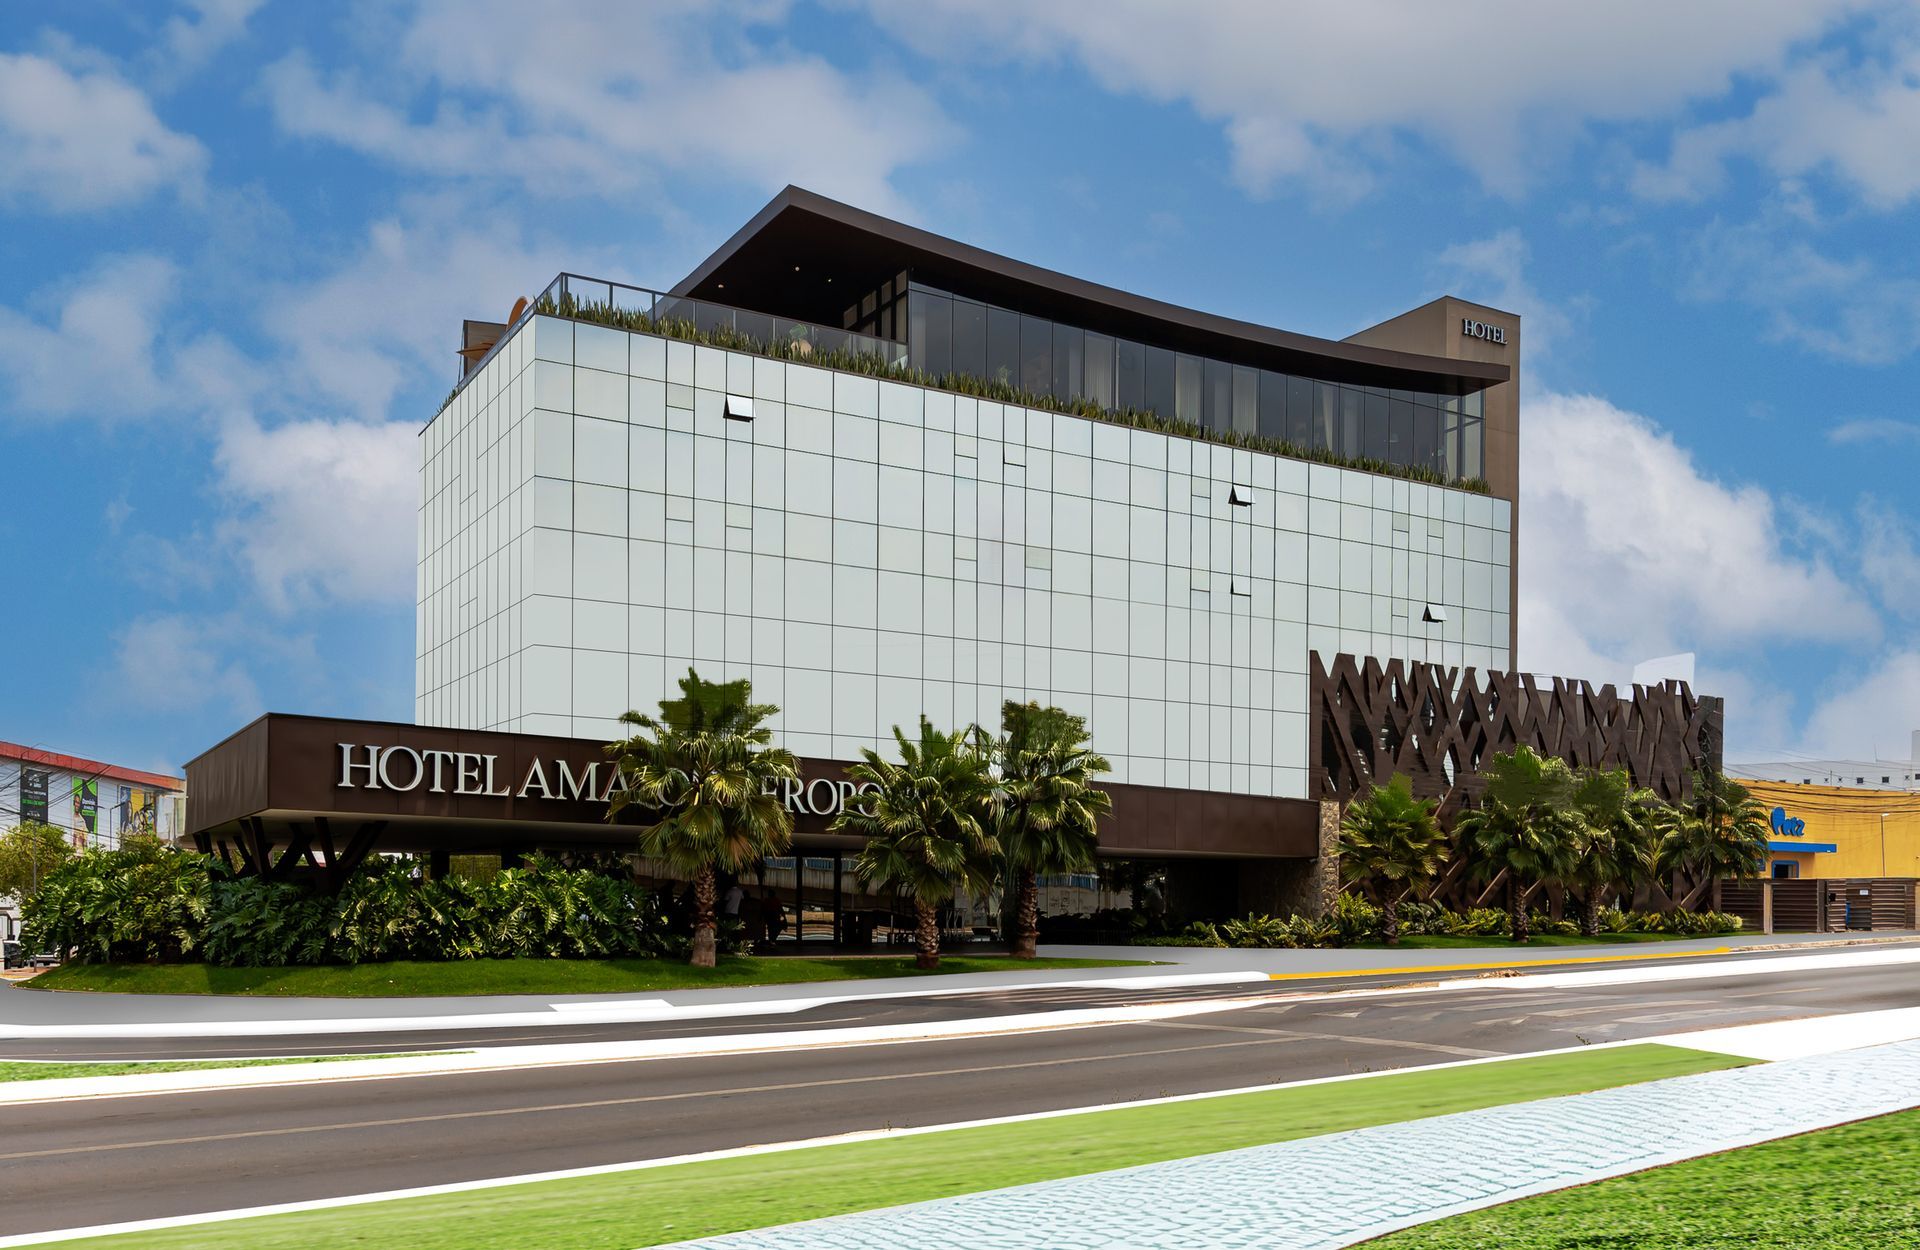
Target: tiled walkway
column 1335, row 1190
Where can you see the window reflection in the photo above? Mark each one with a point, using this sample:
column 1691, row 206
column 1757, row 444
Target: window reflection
column 950, row 334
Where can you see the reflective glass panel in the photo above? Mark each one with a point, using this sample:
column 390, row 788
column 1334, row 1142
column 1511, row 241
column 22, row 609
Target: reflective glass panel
column 1376, row 429
column 1130, row 380
column 1036, row 355
column 1273, row 405
column 1187, row 385
column 933, row 330
column 1246, row 400
column 1069, row 362
column 970, row 338
column 1099, row 370
column 1160, row 381
column 1003, row 345
column 1352, row 406
column 1217, row 400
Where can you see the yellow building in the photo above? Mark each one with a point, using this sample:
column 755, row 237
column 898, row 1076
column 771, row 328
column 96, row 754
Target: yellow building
column 1838, row 832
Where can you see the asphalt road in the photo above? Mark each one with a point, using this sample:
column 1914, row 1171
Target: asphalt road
column 879, row 1011
column 141, row 1157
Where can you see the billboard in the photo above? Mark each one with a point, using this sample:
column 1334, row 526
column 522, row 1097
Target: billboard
column 33, row 795
column 86, row 810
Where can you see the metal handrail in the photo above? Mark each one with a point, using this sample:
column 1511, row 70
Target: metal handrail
column 678, row 316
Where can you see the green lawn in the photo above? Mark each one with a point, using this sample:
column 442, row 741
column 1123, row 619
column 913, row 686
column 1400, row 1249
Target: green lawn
column 1424, row 941
column 648, row 1207
column 1847, row 1188
column 403, row 978
column 16, row 1070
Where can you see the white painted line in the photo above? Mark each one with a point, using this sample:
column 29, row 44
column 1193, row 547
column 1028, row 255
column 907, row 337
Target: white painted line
column 459, row 1187
column 612, row 1011
column 503, row 1058
column 1811, row 1035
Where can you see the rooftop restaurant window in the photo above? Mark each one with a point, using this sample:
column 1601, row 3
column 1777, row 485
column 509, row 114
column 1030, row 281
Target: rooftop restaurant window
column 950, row 334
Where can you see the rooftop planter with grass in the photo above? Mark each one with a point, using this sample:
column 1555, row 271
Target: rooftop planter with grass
column 847, row 352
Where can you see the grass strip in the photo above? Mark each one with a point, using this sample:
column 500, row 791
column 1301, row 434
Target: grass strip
column 21, row 1070
column 423, row 979
column 649, row 1207
column 1846, row 1188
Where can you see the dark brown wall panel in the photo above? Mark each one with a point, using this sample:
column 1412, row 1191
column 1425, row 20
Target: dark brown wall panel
column 1438, row 725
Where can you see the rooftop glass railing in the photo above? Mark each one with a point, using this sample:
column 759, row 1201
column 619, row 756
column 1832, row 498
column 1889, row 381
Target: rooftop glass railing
column 644, row 311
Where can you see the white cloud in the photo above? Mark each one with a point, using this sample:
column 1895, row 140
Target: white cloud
column 1875, row 430
column 1304, row 91
column 93, row 356
column 326, row 509
column 176, row 663
column 390, row 315
column 1850, row 118
column 1871, row 718
column 1629, row 549
column 1853, row 310
column 188, row 43
column 82, row 138
column 614, row 98
column 1889, row 559
column 1493, row 271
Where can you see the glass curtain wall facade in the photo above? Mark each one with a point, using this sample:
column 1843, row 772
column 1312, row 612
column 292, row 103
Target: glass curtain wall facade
column 947, row 333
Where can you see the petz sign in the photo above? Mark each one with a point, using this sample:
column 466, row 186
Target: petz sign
column 1786, row 826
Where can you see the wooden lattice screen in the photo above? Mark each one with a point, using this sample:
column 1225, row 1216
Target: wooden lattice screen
column 1436, row 724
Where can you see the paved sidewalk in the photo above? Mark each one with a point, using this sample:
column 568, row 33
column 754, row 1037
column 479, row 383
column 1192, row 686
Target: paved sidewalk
column 1326, row 1192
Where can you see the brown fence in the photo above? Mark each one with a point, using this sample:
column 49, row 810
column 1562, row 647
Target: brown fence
column 1823, row 905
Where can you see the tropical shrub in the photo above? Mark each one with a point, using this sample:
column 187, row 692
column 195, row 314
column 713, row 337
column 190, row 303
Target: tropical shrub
column 1354, row 919
column 151, row 904
column 140, row 903
column 1540, row 922
column 1392, row 842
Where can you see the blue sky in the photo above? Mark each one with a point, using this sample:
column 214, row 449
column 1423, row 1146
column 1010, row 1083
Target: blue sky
column 238, row 239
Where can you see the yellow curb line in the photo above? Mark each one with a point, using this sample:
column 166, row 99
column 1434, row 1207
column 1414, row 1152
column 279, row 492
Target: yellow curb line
column 1540, row 963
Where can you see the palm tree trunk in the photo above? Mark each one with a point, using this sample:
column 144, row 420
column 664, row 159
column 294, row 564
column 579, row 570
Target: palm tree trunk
column 704, row 945
column 1390, row 919
column 926, row 934
column 1517, row 910
column 1026, row 912
column 1590, row 911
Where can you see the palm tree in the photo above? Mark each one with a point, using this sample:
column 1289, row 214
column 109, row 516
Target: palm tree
column 926, row 821
column 1522, row 828
column 1048, row 809
column 1722, row 832
column 1614, row 839
column 706, row 767
column 1391, row 837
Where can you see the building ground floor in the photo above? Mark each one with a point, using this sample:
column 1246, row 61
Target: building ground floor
column 299, row 797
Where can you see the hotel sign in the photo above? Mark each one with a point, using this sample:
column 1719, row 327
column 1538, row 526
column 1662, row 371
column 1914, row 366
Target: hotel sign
column 404, row 770
column 1481, row 330
column 1786, row 826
